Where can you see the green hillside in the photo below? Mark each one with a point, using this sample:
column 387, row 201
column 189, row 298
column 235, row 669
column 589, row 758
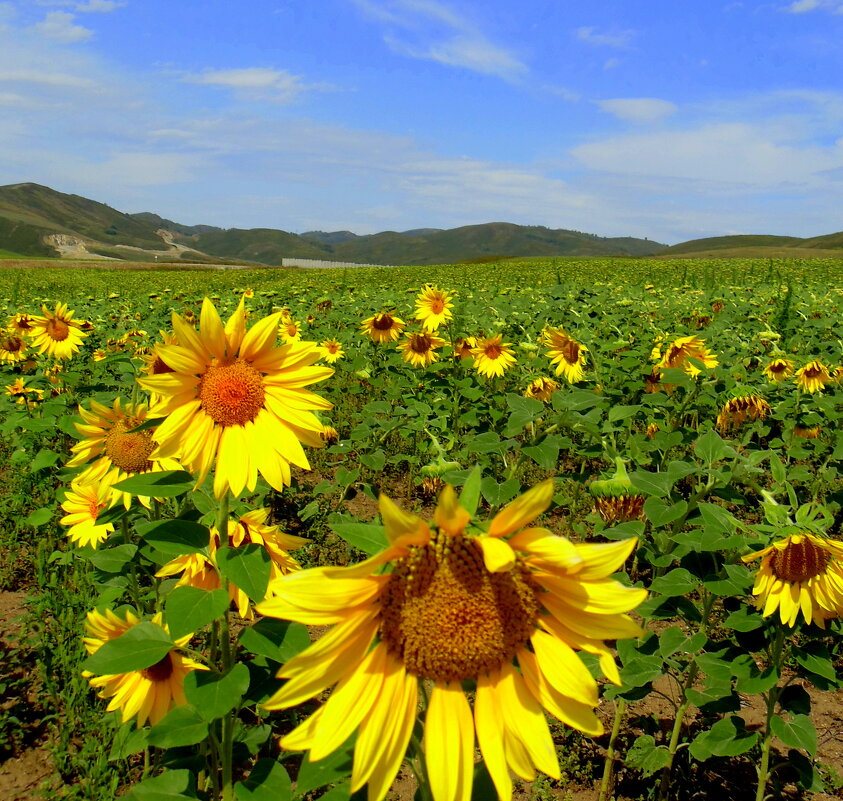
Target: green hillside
column 730, row 242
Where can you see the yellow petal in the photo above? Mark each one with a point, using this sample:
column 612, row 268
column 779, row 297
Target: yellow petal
column 449, row 515
column 211, row 329
column 548, row 549
column 449, row 743
column 235, row 328
column 402, row 528
column 488, row 723
column 497, row 555
column 604, row 558
column 522, row 510
column 563, row 669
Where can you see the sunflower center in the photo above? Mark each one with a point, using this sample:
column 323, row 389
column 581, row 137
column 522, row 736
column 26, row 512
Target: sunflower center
column 383, row 322
column 812, row 372
column 492, row 350
column 232, row 392
column 94, row 509
column 160, row 671
column 448, row 618
column 571, row 352
column 799, row 561
column 57, row 330
column 778, row 368
column 437, row 305
column 129, row 451
column 420, row 344
column 12, row 344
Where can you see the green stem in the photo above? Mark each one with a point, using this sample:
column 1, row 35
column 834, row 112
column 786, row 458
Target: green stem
column 226, row 747
column 419, row 767
column 772, row 698
column 134, row 584
column 609, row 762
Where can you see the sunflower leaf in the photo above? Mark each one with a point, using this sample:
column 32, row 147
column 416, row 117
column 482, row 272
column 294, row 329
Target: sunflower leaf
column 470, row 495
column 137, row 648
column 175, row 537
column 214, row 695
column 182, row 726
column 162, row 484
column 798, row 732
column 267, row 781
column 188, row 609
column 171, row 784
column 247, row 567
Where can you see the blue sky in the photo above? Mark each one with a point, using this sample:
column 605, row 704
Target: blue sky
column 621, row 118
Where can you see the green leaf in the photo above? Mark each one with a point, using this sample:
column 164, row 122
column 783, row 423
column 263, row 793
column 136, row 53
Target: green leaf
column 711, row 448
column 374, row 461
column 737, row 581
column 622, row 412
column 795, row 699
column 678, row 581
column 673, row 639
column 546, row 453
column 137, row 648
column 498, row 494
column 661, row 514
column 181, row 726
column 164, row 484
column 798, row 732
column 755, row 681
column 39, row 517
column 641, row 670
column 247, row 567
column 278, row 640
column 332, row 768
column 188, row 609
column 268, row 781
column 168, row 786
column 43, row 459
column 113, row 560
column 727, row 737
column 470, row 495
column 657, row 484
column 646, row 756
column 175, row 537
column 482, row 787
column 213, row 694
column 367, row 537
column 814, row 658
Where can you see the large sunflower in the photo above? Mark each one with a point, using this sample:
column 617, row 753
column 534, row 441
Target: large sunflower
column 237, row 400
column 200, row 570
column 433, row 307
column 680, row 352
column 812, row 377
column 505, row 612
column 382, row 327
column 566, row 353
column 492, row 356
column 420, row 349
column 149, row 693
column 56, row 333
column 801, row 572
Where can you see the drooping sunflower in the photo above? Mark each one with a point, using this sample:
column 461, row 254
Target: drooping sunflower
column 24, row 395
column 84, row 501
column 333, row 350
column 778, row 370
column 464, row 346
column 682, row 350
column 433, row 307
column 492, row 356
column 801, row 572
column 566, row 353
column 541, row 388
column 736, row 411
column 455, row 607
column 236, row 400
column 382, row 327
column 13, row 347
column 56, row 333
column 200, row 570
column 420, row 349
column 812, row 377
column 150, row 693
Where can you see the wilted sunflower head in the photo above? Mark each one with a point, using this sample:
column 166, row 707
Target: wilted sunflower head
column 541, row 388
column 736, row 411
column 812, row 377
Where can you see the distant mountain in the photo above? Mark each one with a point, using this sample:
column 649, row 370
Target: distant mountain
column 38, row 221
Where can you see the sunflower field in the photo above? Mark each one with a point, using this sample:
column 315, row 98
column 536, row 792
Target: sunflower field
column 535, row 529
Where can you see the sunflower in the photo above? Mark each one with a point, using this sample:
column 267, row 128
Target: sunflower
column 330, row 436
column 237, row 400
column 433, row 307
column 807, row 432
column 19, row 390
column 541, row 388
column 21, row 324
column 290, row 331
column 801, row 572
column 492, row 357
column 84, row 500
column 778, row 370
column 56, row 333
column 464, row 346
column 13, row 347
column 455, row 607
column 333, row 350
column 153, row 363
column 150, row 693
column 812, row 377
column 382, row 327
column 680, row 352
column 736, row 411
column 199, row 570
column 108, row 439
column 566, row 353
column 420, row 349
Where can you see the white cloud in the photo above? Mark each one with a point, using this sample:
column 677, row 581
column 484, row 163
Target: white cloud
column 639, row 110
column 59, row 25
column 618, row 39
column 54, row 79
column 611, row 63
column 99, row 6
column 254, row 83
column 428, row 29
column 804, row 6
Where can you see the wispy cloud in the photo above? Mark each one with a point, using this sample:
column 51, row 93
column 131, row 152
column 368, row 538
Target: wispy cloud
column 640, row 110
column 60, row 26
column 98, row 6
column 256, row 83
column 428, row 29
column 804, row 6
column 614, row 38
